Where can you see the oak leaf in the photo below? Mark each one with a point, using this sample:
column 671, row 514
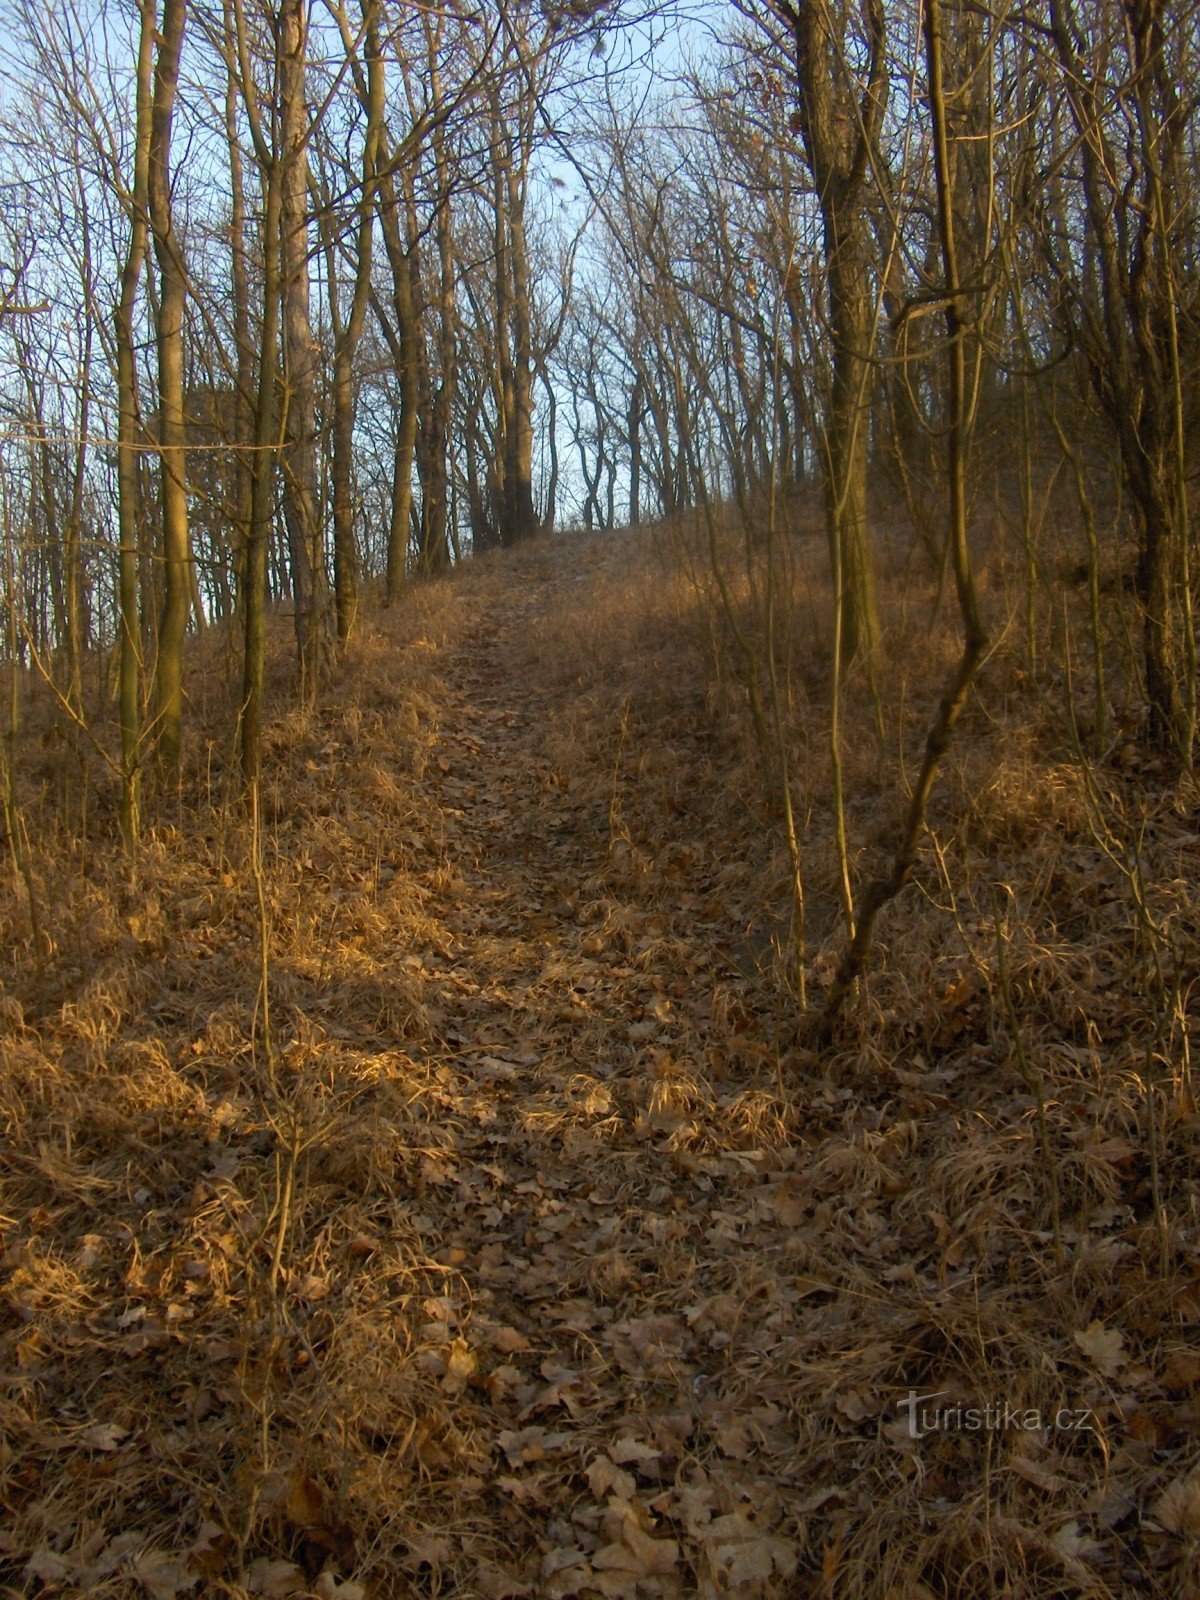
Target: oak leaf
column 1104, row 1348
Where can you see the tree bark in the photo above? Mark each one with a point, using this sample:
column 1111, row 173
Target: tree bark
column 404, row 305
column 520, row 517
column 262, row 484
column 348, row 332
column 243, row 421
column 634, row 425
column 433, row 539
column 850, row 307
column 301, row 509
column 128, row 434
column 168, row 687
column 839, row 114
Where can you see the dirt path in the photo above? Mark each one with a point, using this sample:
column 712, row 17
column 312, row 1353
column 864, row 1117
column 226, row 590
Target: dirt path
column 604, row 1182
column 571, row 989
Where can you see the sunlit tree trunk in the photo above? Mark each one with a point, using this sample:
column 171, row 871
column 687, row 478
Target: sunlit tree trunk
column 300, row 355
column 128, row 435
column 270, row 159
column 520, row 517
column 243, row 421
column 433, row 541
column 407, row 354
column 168, row 687
column 839, row 111
column 348, row 333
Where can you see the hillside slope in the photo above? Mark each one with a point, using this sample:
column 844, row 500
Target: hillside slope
column 522, row 1252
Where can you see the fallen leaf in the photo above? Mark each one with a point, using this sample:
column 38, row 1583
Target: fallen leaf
column 305, row 1503
column 1073, row 1545
column 626, row 1450
column 460, row 1367
column 606, row 1478
column 428, row 1549
column 1177, row 1509
column 491, row 1583
column 46, row 1567
column 1104, row 1348
column 505, row 1339
column 274, row 1579
column 104, row 1436
column 164, row 1576
column 327, row 1587
column 1181, row 1371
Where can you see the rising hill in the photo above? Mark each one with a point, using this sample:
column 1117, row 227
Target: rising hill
column 436, row 1192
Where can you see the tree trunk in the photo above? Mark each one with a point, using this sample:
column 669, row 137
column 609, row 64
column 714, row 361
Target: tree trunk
column 262, row 486
column 839, row 112
column 1158, row 583
column 300, row 353
column 243, row 421
column 129, row 691
column 168, row 687
column 434, row 543
column 348, row 333
column 850, row 307
column 635, row 453
column 1127, row 324
column 409, row 332
column 76, row 609
column 547, row 526
column 520, row 517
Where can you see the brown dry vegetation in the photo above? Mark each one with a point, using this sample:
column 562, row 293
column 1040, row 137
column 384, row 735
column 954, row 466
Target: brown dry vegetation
column 527, row 1252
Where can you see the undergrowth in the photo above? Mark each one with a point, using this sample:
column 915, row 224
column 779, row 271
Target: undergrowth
column 522, row 1245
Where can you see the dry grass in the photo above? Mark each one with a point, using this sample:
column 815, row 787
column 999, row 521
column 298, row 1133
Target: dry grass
column 534, row 1258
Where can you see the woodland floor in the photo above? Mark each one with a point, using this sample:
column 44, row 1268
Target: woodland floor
column 534, row 1259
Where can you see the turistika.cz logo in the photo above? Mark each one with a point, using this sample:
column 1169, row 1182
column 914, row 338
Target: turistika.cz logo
column 925, row 1416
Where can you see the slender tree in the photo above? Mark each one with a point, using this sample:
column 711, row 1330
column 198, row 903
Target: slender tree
column 168, row 250
column 128, row 436
column 839, row 112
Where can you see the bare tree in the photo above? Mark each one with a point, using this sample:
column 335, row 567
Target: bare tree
column 301, row 355
column 839, row 112
column 348, row 327
column 128, row 431
column 168, row 686
column 1123, row 71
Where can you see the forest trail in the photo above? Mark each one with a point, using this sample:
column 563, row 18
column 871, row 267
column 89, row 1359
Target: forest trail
column 527, row 1264
column 604, row 1185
